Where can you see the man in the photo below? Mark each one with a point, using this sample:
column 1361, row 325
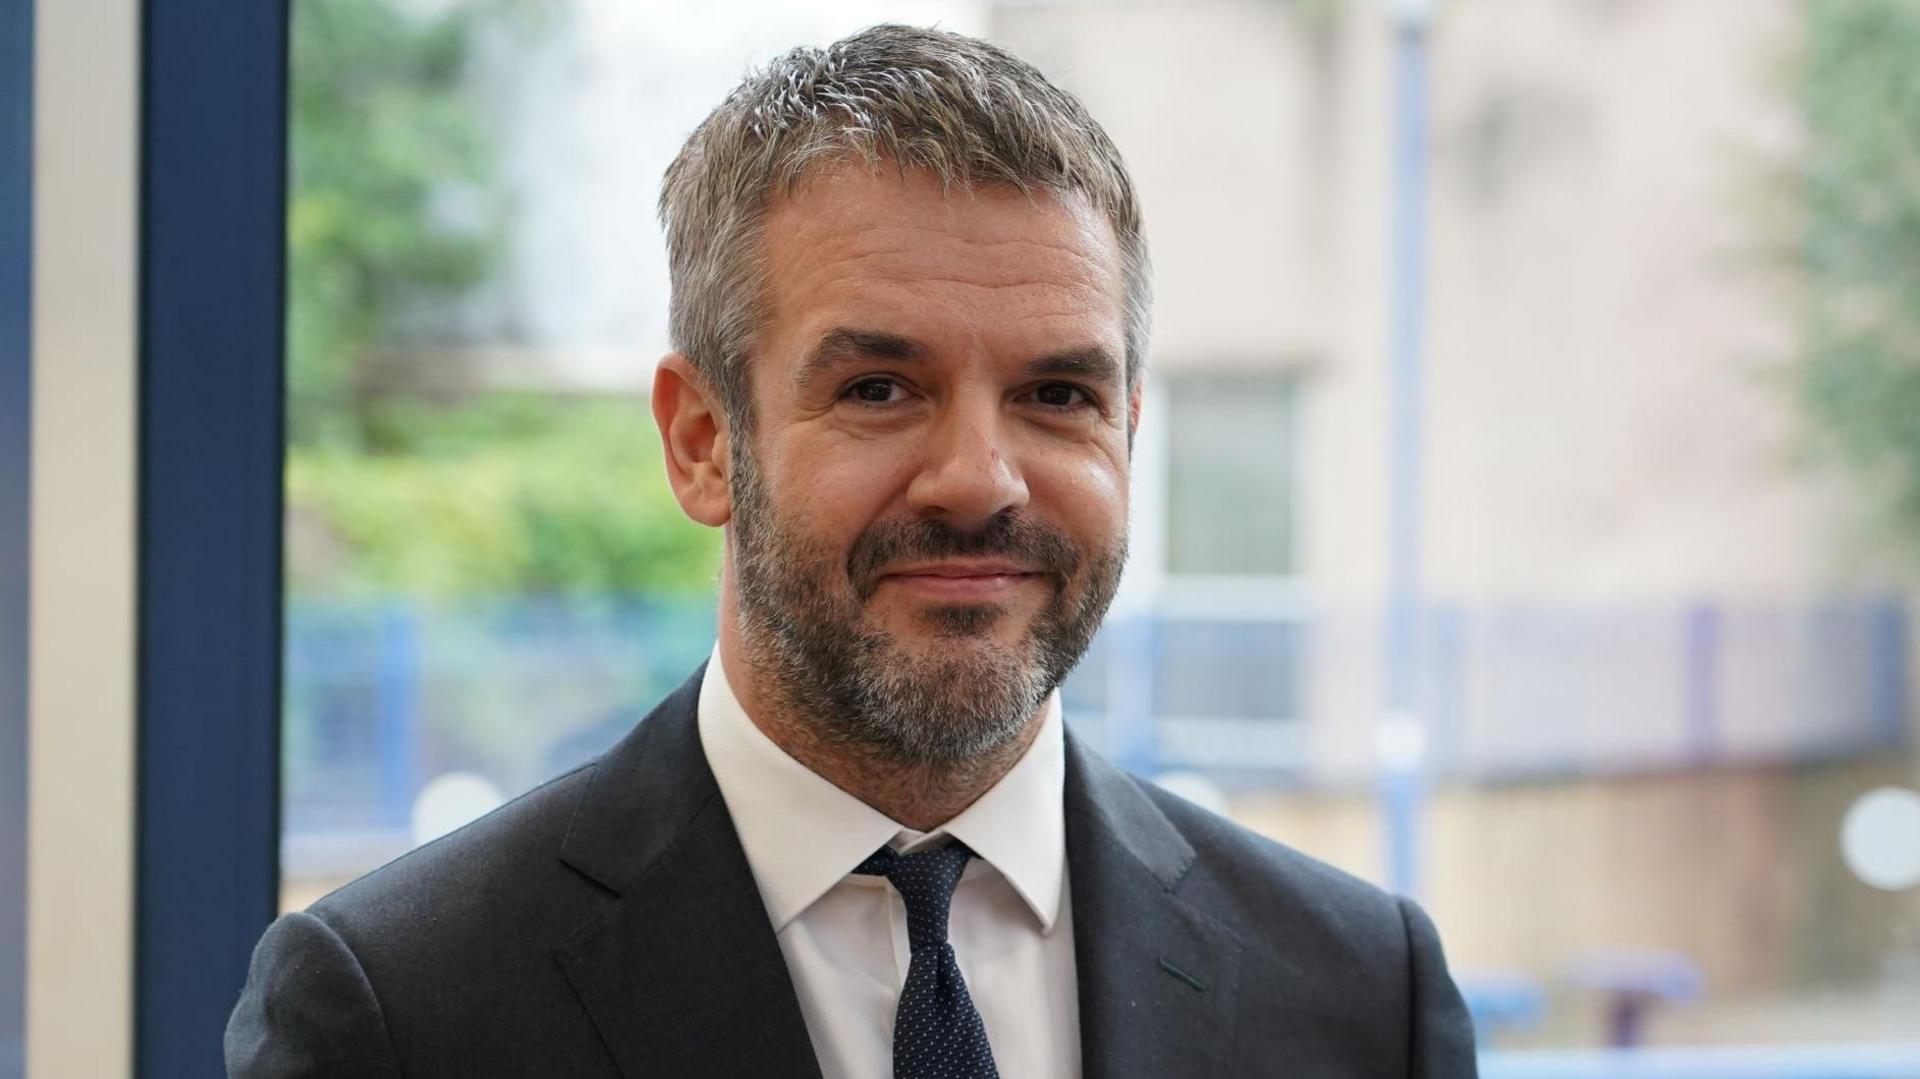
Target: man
column 909, row 308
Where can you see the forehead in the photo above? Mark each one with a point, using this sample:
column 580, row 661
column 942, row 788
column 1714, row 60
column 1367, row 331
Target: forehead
column 861, row 244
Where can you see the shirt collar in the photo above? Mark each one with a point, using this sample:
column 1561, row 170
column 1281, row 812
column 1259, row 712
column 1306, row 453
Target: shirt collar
column 802, row 835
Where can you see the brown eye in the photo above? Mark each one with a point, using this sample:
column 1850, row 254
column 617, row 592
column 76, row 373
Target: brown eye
column 872, row 391
column 1061, row 395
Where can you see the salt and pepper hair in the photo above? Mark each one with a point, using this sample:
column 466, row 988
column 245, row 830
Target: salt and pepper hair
column 967, row 111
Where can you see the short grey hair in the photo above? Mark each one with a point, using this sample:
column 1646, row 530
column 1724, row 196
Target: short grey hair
column 968, row 111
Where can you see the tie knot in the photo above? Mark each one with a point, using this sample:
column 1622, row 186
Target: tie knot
column 925, row 881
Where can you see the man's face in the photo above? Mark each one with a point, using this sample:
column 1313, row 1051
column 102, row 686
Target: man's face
column 929, row 517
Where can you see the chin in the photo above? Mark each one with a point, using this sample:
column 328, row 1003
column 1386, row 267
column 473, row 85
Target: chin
column 949, row 624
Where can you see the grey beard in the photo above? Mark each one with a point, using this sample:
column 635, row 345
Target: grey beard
column 858, row 688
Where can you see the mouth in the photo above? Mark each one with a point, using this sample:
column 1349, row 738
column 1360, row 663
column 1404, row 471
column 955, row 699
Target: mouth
column 963, row 580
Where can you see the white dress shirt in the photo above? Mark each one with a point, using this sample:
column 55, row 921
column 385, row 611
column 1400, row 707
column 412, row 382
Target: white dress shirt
column 844, row 935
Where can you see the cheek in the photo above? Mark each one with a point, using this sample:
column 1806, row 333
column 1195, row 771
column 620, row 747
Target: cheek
column 836, row 495
column 1089, row 497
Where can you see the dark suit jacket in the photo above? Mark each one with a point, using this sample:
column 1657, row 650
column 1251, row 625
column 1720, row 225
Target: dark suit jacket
column 607, row 924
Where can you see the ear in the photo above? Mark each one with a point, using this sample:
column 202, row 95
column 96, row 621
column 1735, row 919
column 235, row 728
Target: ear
column 693, row 440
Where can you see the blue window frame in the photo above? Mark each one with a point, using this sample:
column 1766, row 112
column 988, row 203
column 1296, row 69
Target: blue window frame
column 16, row 255
column 212, row 270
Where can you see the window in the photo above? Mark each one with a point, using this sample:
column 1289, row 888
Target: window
column 1649, row 695
column 1230, row 475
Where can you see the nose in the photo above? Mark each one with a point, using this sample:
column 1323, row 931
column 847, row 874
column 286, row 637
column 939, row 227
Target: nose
column 968, row 473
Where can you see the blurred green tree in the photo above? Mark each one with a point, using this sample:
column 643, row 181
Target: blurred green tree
column 1858, row 243
column 382, row 139
column 505, row 493
column 393, row 201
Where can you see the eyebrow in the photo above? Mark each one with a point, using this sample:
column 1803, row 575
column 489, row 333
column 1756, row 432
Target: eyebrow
column 1091, row 362
column 842, row 346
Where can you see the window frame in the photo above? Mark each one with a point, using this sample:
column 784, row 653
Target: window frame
column 16, row 464
column 211, row 447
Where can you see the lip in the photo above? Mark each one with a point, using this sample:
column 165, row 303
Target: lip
column 964, row 567
column 962, row 579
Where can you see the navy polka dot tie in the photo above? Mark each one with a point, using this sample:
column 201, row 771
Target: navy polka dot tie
column 937, row 1032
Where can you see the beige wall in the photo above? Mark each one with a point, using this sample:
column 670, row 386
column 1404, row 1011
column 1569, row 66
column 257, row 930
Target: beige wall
column 1603, row 322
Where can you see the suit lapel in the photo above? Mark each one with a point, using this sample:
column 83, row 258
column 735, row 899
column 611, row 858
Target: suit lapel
column 1157, row 977
column 680, row 973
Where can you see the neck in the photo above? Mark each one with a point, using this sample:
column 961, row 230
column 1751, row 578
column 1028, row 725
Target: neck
column 919, row 796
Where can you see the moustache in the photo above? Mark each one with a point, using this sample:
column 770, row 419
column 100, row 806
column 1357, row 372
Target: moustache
column 1007, row 535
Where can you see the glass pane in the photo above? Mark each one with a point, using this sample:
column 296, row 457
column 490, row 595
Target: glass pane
column 1230, row 475
column 1654, row 736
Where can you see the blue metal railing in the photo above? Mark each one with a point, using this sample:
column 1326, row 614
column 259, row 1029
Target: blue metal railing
column 383, row 693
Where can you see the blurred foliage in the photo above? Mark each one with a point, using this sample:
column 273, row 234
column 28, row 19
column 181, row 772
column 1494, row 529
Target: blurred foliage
column 506, row 493
column 389, row 197
column 393, row 205
column 1858, row 250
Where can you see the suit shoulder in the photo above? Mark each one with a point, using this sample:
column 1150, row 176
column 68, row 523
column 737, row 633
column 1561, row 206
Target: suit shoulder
column 504, row 857
column 1359, row 971
column 1261, row 881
